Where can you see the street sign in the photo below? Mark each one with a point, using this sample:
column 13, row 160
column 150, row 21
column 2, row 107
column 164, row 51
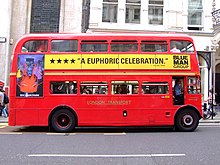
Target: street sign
column 2, row 39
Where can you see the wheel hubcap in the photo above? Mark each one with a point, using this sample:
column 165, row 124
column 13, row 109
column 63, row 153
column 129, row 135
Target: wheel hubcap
column 187, row 120
column 63, row 120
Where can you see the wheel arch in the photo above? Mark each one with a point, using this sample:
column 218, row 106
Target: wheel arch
column 187, row 107
column 62, row 107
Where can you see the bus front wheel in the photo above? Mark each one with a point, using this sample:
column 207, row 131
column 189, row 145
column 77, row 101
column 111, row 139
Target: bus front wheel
column 187, row 120
column 63, row 121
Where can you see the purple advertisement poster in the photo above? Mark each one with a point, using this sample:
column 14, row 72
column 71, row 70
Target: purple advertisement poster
column 30, row 73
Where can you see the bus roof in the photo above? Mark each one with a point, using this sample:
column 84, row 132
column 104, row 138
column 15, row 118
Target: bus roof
column 108, row 35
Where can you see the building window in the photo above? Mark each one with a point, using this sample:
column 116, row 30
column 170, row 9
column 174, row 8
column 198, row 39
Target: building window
column 133, row 11
column 45, row 16
column 110, row 11
column 155, row 12
column 195, row 12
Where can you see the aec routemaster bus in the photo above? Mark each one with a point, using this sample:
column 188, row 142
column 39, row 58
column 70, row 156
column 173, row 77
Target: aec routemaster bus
column 74, row 80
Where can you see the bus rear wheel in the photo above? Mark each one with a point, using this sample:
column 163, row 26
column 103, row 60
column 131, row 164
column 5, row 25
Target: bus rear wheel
column 63, row 121
column 187, row 120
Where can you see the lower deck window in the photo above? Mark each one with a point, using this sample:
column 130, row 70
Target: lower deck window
column 194, row 85
column 94, row 88
column 155, row 88
column 63, row 87
column 124, row 87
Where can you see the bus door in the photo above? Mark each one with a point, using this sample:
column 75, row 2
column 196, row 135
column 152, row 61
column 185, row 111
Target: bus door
column 178, row 90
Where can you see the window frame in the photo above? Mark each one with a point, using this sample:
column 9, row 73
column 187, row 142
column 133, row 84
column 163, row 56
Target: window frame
column 155, row 43
column 69, row 50
column 131, row 48
column 193, row 87
column 106, row 18
column 133, row 6
column 195, row 9
column 124, row 85
column 93, row 85
column 155, row 17
column 92, row 44
column 154, row 83
column 33, row 44
column 66, row 90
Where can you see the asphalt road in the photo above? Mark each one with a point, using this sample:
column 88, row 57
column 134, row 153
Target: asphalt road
column 133, row 146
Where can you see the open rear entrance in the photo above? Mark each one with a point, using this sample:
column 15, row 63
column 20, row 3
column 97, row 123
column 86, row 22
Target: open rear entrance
column 178, row 90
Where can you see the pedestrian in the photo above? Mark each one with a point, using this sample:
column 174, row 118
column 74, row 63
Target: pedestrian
column 1, row 100
column 211, row 99
column 4, row 102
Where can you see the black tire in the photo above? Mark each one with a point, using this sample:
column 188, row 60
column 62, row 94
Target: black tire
column 187, row 120
column 63, row 121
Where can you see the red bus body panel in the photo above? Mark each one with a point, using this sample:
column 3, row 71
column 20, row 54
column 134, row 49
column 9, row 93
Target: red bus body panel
column 102, row 110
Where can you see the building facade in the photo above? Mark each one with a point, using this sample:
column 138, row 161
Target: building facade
column 197, row 18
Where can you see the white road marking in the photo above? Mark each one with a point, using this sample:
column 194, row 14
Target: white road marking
column 106, row 156
column 209, row 124
column 55, row 134
column 110, row 134
column 11, row 133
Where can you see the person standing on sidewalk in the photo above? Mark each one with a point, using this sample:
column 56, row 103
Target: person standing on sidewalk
column 4, row 101
column 211, row 99
column 1, row 100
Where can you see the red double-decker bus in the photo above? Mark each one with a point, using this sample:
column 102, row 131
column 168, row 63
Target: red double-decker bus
column 74, row 80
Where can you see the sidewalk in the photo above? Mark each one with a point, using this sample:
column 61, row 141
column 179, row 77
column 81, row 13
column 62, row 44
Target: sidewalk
column 215, row 119
column 3, row 119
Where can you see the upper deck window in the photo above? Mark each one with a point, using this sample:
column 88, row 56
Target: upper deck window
column 35, row 46
column 154, row 46
column 94, row 46
column 124, row 46
column 181, row 46
column 64, row 46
